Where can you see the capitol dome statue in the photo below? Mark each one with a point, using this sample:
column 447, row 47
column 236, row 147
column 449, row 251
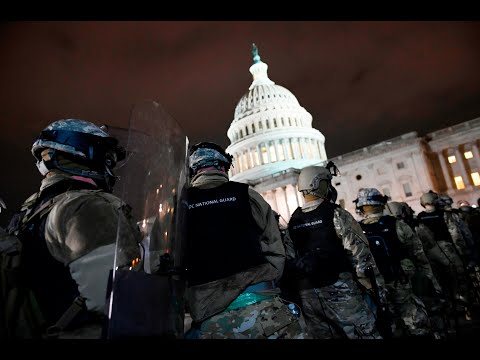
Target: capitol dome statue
column 271, row 135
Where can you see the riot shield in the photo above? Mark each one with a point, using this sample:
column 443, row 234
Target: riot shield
column 148, row 302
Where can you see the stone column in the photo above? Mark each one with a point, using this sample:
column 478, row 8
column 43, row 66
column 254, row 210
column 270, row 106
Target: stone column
column 446, row 175
column 296, row 156
column 275, row 143
column 267, row 146
column 292, row 200
column 285, row 151
column 282, row 204
column 250, row 158
column 274, row 200
column 259, row 152
column 476, row 155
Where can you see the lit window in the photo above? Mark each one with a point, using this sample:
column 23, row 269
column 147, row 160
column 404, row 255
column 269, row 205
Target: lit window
column 476, row 178
column 468, row 154
column 459, row 182
column 407, row 190
column 264, row 155
column 452, row 159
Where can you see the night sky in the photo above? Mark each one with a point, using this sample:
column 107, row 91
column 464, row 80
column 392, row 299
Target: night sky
column 363, row 82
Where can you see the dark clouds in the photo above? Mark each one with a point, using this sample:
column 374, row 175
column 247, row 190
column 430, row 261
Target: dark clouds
column 363, row 82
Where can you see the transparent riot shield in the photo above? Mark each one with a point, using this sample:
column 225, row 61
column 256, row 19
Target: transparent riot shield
column 146, row 300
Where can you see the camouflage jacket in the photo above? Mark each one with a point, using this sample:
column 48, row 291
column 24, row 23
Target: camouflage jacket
column 353, row 239
column 205, row 300
column 417, row 260
column 456, row 228
column 81, row 233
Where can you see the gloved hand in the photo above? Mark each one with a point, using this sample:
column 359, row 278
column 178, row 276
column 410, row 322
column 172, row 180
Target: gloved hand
column 365, row 283
column 307, row 263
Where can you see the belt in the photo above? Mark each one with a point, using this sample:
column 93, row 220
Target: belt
column 249, row 295
column 264, row 285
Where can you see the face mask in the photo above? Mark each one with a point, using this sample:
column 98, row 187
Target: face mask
column 42, row 168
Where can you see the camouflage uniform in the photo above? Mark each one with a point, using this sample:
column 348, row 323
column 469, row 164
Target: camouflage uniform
column 445, row 256
column 211, row 304
column 408, row 310
column 67, row 232
column 80, row 233
column 339, row 310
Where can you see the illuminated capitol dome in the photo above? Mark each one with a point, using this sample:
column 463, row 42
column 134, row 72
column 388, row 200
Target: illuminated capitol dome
column 271, row 140
column 271, row 131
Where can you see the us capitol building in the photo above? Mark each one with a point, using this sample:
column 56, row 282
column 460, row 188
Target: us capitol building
column 272, row 139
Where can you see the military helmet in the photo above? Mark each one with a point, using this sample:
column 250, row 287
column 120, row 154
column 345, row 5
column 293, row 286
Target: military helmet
column 398, row 209
column 369, row 196
column 206, row 154
column 316, row 180
column 429, row 198
column 444, row 201
column 310, row 177
column 81, row 142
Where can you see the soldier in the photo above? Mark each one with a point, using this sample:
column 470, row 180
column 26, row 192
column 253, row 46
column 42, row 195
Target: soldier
column 399, row 255
column 323, row 242
column 233, row 255
column 67, row 233
column 444, row 246
column 422, row 286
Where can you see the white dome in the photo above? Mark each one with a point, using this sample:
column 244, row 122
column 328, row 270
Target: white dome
column 271, row 131
column 264, row 97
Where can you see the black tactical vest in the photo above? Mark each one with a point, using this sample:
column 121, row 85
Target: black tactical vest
column 49, row 279
column 314, row 232
column 435, row 221
column 222, row 236
column 386, row 248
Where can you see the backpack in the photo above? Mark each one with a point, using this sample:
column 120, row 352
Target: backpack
column 20, row 314
column 386, row 248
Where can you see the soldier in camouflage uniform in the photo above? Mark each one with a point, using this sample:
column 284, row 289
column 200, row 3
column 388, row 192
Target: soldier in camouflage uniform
column 399, row 255
column 68, row 229
column 422, row 286
column 233, row 255
column 445, row 247
column 328, row 253
column 458, row 216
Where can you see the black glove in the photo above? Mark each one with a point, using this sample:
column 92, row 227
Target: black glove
column 307, row 264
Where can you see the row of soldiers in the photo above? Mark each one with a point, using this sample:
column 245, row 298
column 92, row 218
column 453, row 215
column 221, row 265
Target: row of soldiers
column 73, row 264
column 427, row 264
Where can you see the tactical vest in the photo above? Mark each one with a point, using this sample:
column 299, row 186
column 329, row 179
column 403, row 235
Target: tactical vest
column 435, row 221
column 314, row 232
column 386, row 248
column 222, row 236
column 49, row 280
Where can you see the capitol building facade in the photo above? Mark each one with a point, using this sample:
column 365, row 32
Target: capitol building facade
column 272, row 139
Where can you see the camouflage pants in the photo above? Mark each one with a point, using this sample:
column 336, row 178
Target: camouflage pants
column 409, row 313
column 267, row 319
column 338, row 311
column 448, row 268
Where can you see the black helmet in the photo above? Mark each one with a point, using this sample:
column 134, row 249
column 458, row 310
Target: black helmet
column 207, row 154
column 83, row 143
